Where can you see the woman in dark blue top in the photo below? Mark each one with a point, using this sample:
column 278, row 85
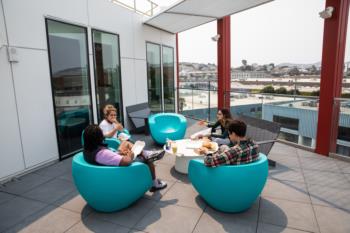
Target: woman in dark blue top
column 223, row 117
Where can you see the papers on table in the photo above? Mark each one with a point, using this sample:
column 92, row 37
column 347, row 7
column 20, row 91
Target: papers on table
column 194, row 144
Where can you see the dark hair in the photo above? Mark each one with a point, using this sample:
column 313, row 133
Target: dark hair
column 226, row 113
column 238, row 127
column 93, row 137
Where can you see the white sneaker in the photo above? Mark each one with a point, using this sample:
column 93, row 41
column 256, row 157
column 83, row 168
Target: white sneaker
column 158, row 185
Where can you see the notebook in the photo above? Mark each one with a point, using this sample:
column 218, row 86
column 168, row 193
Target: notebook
column 137, row 148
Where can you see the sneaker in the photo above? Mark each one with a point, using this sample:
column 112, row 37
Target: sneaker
column 154, row 156
column 158, row 185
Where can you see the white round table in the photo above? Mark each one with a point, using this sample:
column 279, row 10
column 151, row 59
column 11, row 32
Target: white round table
column 185, row 152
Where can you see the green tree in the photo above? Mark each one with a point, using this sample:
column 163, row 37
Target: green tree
column 315, row 93
column 268, row 89
column 281, row 90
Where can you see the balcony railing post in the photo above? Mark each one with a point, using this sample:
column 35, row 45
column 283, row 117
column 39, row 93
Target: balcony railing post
column 209, row 101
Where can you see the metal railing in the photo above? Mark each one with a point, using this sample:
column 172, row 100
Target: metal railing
column 144, row 7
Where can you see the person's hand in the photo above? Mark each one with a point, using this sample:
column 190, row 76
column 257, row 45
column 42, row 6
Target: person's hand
column 202, row 122
column 202, row 151
column 118, row 126
column 130, row 154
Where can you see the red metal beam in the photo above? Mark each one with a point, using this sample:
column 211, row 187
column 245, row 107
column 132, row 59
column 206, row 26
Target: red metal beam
column 224, row 62
column 177, row 70
column 334, row 42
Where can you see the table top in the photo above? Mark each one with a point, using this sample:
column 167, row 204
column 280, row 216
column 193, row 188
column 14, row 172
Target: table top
column 186, row 147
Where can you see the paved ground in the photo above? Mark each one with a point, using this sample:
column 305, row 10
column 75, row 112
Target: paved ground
column 304, row 193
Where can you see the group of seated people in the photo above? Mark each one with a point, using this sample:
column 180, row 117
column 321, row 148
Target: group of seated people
column 234, row 147
column 96, row 152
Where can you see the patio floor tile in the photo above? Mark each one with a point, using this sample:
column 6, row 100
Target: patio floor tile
column 168, row 218
column 17, row 209
column 90, row 224
column 216, row 221
column 333, row 197
column 286, row 173
column 50, row 219
column 129, row 216
column 4, row 197
column 332, row 220
column 344, row 166
column 268, row 228
column 185, row 195
column 74, row 202
column 163, row 171
column 287, row 190
column 24, row 183
column 288, row 214
column 51, row 191
column 329, row 179
column 319, row 164
column 57, row 169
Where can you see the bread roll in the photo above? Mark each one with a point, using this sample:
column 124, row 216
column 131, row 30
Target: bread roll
column 208, row 145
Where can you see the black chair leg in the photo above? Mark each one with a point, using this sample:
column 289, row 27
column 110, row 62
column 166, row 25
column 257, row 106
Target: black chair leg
column 272, row 163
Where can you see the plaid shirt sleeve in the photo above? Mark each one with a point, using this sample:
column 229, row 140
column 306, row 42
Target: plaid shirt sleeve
column 216, row 159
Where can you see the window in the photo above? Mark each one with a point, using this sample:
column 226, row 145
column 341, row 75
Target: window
column 344, row 133
column 288, row 137
column 154, row 77
column 107, row 72
column 160, row 76
column 287, row 122
column 168, row 79
column 70, row 83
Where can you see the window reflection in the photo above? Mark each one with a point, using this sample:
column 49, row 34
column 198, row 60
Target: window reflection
column 70, row 83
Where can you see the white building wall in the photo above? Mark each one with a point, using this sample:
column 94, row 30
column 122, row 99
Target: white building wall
column 11, row 156
column 28, row 134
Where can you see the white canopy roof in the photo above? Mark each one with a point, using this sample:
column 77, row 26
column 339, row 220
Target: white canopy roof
column 187, row 14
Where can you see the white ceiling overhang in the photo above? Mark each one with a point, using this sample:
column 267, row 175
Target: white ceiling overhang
column 188, row 14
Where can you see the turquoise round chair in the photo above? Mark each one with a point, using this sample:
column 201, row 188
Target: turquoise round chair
column 167, row 125
column 229, row 188
column 110, row 188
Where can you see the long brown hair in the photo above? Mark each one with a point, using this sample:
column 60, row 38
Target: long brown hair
column 226, row 116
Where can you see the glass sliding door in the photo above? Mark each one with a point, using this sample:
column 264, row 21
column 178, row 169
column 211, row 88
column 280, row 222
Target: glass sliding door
column 154, row 78
column 70, row 81
column 168, row 79
column 107, row 72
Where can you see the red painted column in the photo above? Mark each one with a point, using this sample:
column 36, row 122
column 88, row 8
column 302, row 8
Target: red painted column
column 224, row 62
column 334, row 41
column 177, row 71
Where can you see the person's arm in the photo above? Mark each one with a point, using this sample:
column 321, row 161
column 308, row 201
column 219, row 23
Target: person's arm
column 108, row 157
column 216, row 159
column 213, row 126
column 110, row 133
column 127, row 159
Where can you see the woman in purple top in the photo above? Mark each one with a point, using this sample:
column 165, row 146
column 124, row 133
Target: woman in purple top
column 95, row 152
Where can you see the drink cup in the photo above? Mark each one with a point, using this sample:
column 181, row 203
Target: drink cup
column 174, row 148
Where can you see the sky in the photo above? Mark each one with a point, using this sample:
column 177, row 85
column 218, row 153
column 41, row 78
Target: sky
column 278, row 32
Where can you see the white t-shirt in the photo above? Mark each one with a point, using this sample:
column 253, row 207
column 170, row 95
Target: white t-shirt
column 107, row 127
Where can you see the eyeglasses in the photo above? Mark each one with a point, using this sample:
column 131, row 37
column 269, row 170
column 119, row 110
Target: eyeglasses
column 112, row 115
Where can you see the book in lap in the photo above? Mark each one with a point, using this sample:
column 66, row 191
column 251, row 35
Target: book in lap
column 137, row 148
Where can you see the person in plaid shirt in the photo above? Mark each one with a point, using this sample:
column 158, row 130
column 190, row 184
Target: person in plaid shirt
column 241, row 150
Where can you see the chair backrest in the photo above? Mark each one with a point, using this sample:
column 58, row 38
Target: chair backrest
column 138, row 113
column 167, row 120
column 261, row 130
